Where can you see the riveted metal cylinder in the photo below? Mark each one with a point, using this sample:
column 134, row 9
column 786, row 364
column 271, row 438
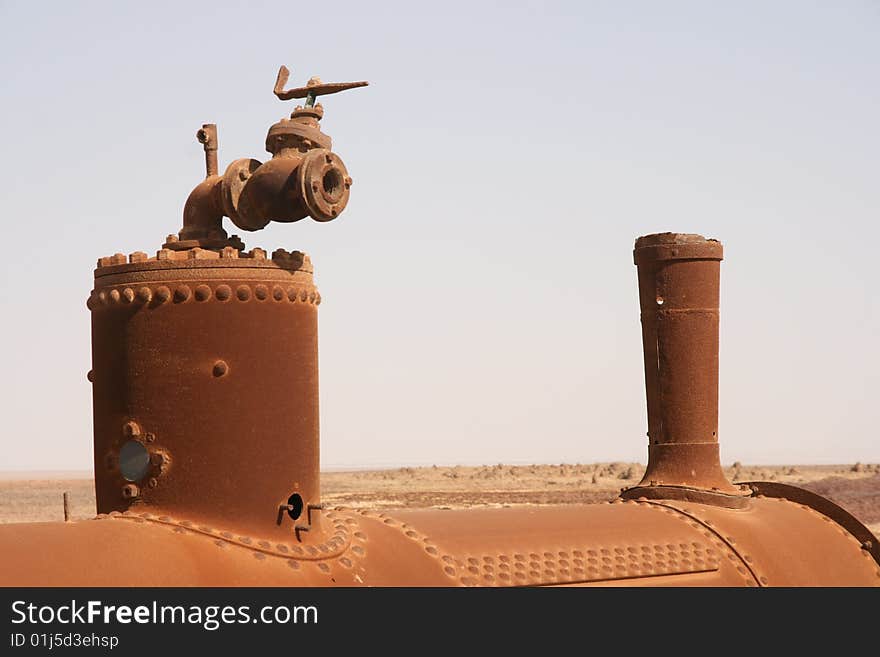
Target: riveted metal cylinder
column 214, row 357
column 679, row 298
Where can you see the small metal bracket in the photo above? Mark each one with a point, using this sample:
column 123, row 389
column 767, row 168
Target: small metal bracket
column 310, row 508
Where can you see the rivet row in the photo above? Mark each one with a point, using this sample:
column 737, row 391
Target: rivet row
column 183, row 293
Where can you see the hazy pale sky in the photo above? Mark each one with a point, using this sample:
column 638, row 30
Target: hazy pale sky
column 480, row 300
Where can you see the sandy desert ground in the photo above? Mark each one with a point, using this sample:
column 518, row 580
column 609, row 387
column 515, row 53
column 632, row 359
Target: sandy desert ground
column 856, row 487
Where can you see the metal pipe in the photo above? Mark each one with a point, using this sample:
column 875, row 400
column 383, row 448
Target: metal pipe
column 679, row 298
column 203, row 211
column 208, row 137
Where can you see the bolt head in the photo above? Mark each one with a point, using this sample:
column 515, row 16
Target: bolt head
column 131, row 429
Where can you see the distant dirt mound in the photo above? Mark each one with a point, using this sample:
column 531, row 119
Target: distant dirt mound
column 861, row 497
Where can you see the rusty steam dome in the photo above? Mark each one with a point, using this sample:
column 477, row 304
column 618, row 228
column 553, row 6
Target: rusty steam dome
column 205, row 389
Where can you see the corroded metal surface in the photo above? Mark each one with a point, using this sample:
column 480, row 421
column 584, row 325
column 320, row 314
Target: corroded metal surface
column 781, row 543
column 313, row 88
column 825, row 507
column 679, row 300
column 634, row 543
column 209, row 363
column 205, row 389
column 304, row 178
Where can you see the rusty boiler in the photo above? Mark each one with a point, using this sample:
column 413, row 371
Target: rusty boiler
column 205, row 389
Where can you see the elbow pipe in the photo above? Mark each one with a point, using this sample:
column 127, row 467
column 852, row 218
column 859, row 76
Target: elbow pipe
column 304, row 178
column 291, row 187
column 287, row 188
column 203, row 212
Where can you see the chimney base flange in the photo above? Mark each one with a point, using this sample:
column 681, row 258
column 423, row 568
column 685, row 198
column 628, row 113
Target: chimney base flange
column 739, row 500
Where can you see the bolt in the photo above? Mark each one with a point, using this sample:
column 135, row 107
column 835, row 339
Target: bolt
column 329, row 158
column 131, row 429
column 202, row 136
column 244, row 174
column 130, row 491
column 158, row 459
column 153, row 482
column 315, row 186
column 171, row 238
column 220, row 368
column 867, row 545
column 149, row 437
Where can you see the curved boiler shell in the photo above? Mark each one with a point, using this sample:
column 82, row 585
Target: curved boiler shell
column 771, row 542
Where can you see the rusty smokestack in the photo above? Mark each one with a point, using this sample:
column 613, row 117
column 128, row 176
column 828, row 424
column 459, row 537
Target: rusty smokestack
column 679, row 299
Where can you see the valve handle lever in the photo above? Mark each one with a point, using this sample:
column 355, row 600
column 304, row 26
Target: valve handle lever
column 314, row 87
